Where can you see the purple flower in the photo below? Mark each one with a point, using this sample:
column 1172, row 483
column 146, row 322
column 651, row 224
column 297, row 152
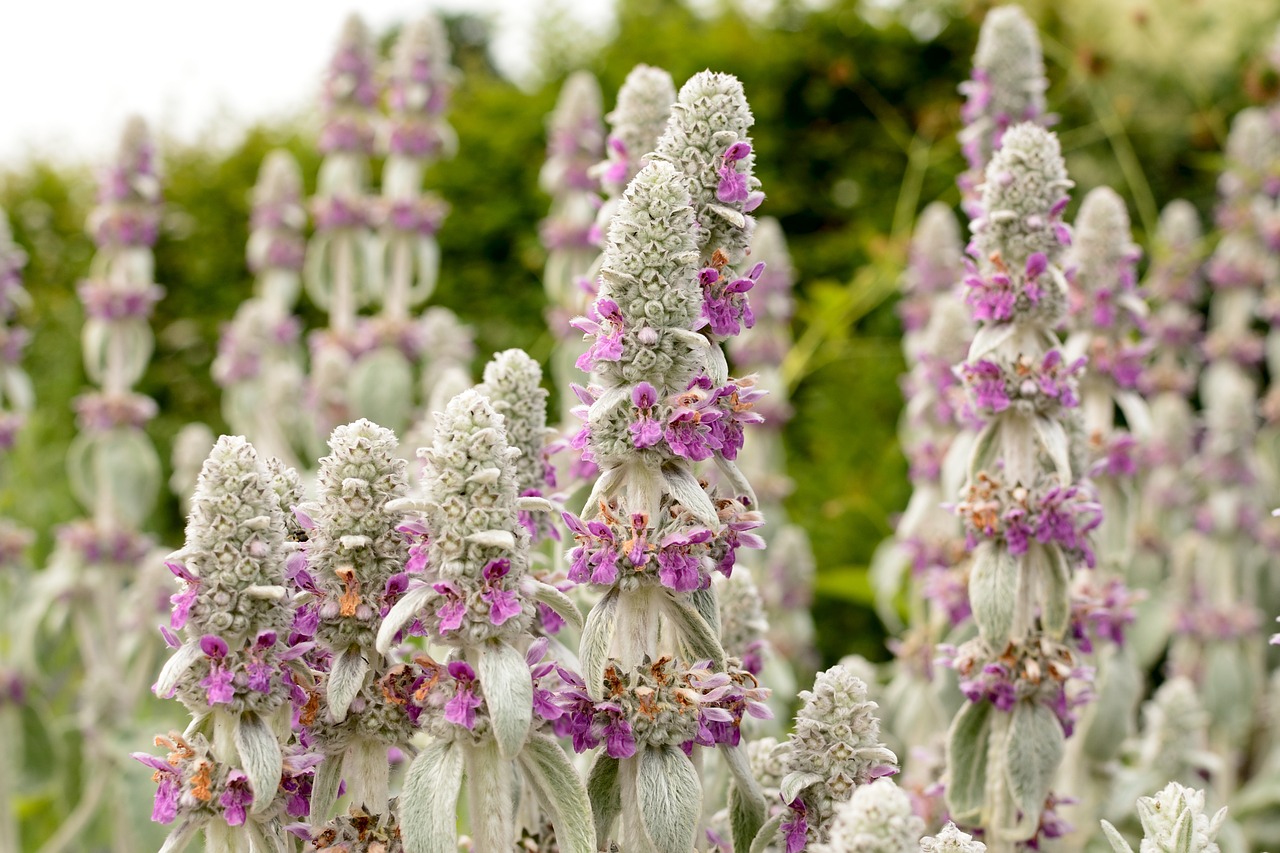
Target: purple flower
column 235, row 798
column 453, row 609
column 606, row 325
column 796, row 827
column 619, row 742
column 461, row 709
column 689, row 433
column 165, row 808
column 987, row 380
column 645, row 431
column 503, row 603
column 677, row 568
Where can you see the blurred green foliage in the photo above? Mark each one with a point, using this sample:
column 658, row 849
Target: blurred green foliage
column 856, row 121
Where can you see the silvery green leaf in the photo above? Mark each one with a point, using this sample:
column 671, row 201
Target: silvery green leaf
column 560, row 791
column 174, row 668
column 728, row 214
column 381, row 387
column 260, row 758
column 490, row 799
column 429, row 799
column 345, row 680
column 366, row 773
column 1137, row 414
column 747, row 809
column 605, row 792
column 694, row 632
column 717, row 367
column 967, row 760
column 266, row 593
column 736, row 480
column 557, row 601
column 1119, row 690
column 503, row 539
column 324, row 788
column 1033, row 753
column 622, row 279
column 401, row 614
column 669, row 797
column 768, row 833
column 597, row 635
column 354, row 542
column 982, row 456
column 685, row 490
column 265, row 838
column 1118, row 844
column 410, row 504
column 606, row 485
column 989, row 337
column 533, row 503
column 795, row 782
column 1184, row 833
column 707, row 603
column 508, row 691
column 485, row 476
column 993, row 592
column 181, row 835
column 1055, row 586
column 1053, row 438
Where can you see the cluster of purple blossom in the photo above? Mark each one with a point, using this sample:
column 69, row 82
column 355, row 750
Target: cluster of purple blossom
column 1046, row 512
column 1037, row 669
column 1023, row 384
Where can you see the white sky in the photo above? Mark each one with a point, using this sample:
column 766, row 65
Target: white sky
column 72, row 70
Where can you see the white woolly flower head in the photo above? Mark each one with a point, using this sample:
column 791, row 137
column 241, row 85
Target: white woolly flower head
column 1009, row 80
column 1253, row 146
column 877, row 819
column 478, row 553
column 649, row 294
column 636, row 123
column 1167, row 815
column 575, row 137
column 1102, row 240
column 743, row 624
column 836, row 745
column 513, row 384
column 1025, row 192
column 936, row 262
column 354, row 547
column 708, row 140
column 234, row 544
column 1179, row 227
column 951, row 840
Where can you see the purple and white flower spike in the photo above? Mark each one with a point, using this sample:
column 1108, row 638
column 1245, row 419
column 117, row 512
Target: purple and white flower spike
column 1027, row 517
column 1007, row 88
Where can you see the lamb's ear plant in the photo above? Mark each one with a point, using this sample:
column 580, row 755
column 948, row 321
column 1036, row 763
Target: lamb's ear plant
column 16, row 399
column 354, row 573
column 489, row 706
column 1107, row 316
column 1174, row 286
column 1027, row 517
column 260, row 360
column 1173, row 820
column 406, row 260
column 1218, row 631
column 232, row 664
column 575, row 144
column 336, row 263
column 928, row 548
column 1007, row 88
column 783, row 572
column 651, row 534
column 403, row 261
column 115, row 475
column 834, row 749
